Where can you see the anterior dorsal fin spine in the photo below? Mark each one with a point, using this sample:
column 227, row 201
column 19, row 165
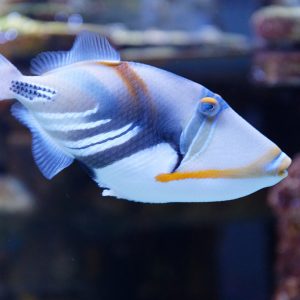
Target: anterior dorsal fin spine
column 87, row 46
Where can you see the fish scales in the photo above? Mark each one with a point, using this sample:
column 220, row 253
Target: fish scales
column 120, row 112
column 143, row 133
column 138, row 109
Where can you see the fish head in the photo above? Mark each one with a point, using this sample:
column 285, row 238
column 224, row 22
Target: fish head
column 224, row 153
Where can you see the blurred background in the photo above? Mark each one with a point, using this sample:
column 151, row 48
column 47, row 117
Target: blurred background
column 60, row 240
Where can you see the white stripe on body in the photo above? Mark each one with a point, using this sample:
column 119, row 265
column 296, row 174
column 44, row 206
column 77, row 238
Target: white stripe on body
column 71, row 115
column 75, row 126
column 97, row 138
column 106, row 145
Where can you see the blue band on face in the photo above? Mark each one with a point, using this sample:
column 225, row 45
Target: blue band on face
column 222, row 102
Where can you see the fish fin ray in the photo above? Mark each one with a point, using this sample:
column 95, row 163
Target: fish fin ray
column 88, row 46
column 48, row 156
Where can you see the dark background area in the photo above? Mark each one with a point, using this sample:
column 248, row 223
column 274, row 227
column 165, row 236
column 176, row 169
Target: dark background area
column 77, row 245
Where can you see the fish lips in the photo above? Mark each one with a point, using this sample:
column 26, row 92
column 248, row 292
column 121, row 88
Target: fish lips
column 279, row 165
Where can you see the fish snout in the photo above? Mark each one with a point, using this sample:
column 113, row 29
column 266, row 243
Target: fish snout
column 279, row 165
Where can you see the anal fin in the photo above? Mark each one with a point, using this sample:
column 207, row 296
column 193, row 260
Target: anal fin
column 49, row 157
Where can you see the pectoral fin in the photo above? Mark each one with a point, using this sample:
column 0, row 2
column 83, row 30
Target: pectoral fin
column 49, row 156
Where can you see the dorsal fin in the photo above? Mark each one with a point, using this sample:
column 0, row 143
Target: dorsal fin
column 87, row 46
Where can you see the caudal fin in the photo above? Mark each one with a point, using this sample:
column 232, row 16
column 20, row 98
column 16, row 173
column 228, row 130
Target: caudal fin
column 8, row 72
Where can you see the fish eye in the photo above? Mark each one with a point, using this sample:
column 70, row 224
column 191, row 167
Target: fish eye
column 209, row 106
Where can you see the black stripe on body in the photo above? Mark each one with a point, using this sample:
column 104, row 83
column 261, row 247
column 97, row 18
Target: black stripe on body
column 146, row 120
column 141, row 141
column 104, row 141
column 115, row 106
column 135, row 107
column 151, row 133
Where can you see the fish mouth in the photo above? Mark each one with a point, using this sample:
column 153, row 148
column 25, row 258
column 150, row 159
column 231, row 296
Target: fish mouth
column 275, row 161
column 279, row 166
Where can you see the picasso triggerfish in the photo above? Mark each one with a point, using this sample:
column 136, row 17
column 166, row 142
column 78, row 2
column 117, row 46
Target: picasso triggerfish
column 144, row 133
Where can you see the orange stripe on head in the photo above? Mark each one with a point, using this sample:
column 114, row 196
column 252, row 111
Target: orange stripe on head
column 252, row 170
column 229, row 173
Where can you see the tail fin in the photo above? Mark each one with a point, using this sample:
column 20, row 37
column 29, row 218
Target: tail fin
column 8, row 72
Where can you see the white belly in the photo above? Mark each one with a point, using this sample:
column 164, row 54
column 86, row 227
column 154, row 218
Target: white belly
column 133, row 178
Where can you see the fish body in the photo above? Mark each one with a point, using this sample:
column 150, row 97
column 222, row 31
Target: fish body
column 146, row 134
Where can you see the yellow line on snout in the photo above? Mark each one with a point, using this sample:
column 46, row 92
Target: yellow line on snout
column 252, row 170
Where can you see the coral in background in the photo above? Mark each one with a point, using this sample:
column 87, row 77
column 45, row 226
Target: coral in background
column 285, row 202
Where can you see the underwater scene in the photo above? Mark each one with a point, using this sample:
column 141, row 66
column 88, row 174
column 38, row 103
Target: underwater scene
column 149, row 149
